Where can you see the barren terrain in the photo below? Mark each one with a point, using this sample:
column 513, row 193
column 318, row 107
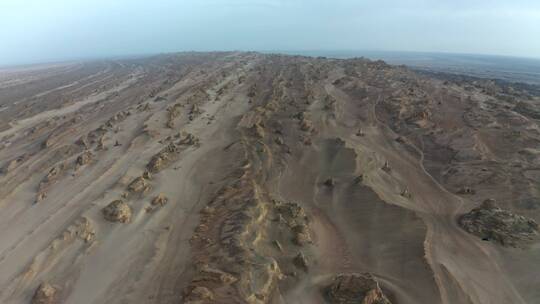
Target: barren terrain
column 253, row 178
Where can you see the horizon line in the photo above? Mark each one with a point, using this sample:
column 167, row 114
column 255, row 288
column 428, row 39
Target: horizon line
column 266, row 51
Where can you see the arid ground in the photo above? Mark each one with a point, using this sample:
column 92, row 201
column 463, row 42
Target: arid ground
column 252, row 178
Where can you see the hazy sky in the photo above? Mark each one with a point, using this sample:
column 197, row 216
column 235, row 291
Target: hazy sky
column 46, row 30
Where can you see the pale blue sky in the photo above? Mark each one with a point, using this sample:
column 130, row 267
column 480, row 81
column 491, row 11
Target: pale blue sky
column 49, row 30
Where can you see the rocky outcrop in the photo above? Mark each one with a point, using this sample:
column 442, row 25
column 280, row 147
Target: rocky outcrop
column 329, row 182
column 139, row 185
column 160, row 200
column 492, row 223
column 466, row 190
column 97, row 137
column 116, row 118
column 101, row 143
column 188, row 139
column 198, row 294
column 48, row 180
column 300, row 261
column 195, row 110
column 301, row 236
column 83, row 142
column 14, row 163
column 157, row 202
column 355, row 288
column 306, row 125
column 47, row 142
column 117, row 211
column 163, row 158
column 84, row 158
column 40, row 196
column 295, row 218
column 51, row 177
column 173, row 112
column 231, row 243
column 45, row 294
column 232, row 271
column 83, row 229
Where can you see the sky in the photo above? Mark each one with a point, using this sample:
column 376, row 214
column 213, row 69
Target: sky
column 53, row 30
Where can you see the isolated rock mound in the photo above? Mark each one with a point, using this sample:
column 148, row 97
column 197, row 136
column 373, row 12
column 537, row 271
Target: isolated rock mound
column 160, row 200
column 45, row 294
column 198, row 294
column 301, row 261
column 117, row 211
column 84, row 158
column 493, row 223
column 163, row 158
column 355, row 288
column 188, row 139
column 139, row 185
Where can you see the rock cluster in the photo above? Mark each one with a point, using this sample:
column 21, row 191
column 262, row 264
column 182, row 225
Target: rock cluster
column 189, row 140
column 157, row 202
column 355, row 288
column 162, row 158
column 306, row 125
column 172, row 113
column 118, row 117
column 195, row 110
column 47, row 143
column 51, row 176
column 197, row 294
column 97, row 137
column 386, row 167
column 492, row 223
column 329, row 182
column 14, row 163
column 83, row 142
column 466, row 190
column 45, row 294
column 48, row 180
column 139, row 185
column 84, row 158
column 117, row 211
column 160, row 200
column 291, row 210
column 295, row 217
column 82, row 229
column 229, row 262
column 301, row 262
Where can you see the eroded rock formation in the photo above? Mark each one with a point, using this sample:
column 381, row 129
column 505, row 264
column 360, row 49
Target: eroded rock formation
column 355, row 288
column 45, row 294
column 117, row 211
column 492, row 223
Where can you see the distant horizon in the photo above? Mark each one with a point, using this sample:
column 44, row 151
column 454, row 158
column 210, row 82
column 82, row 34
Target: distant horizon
column 306, row 52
